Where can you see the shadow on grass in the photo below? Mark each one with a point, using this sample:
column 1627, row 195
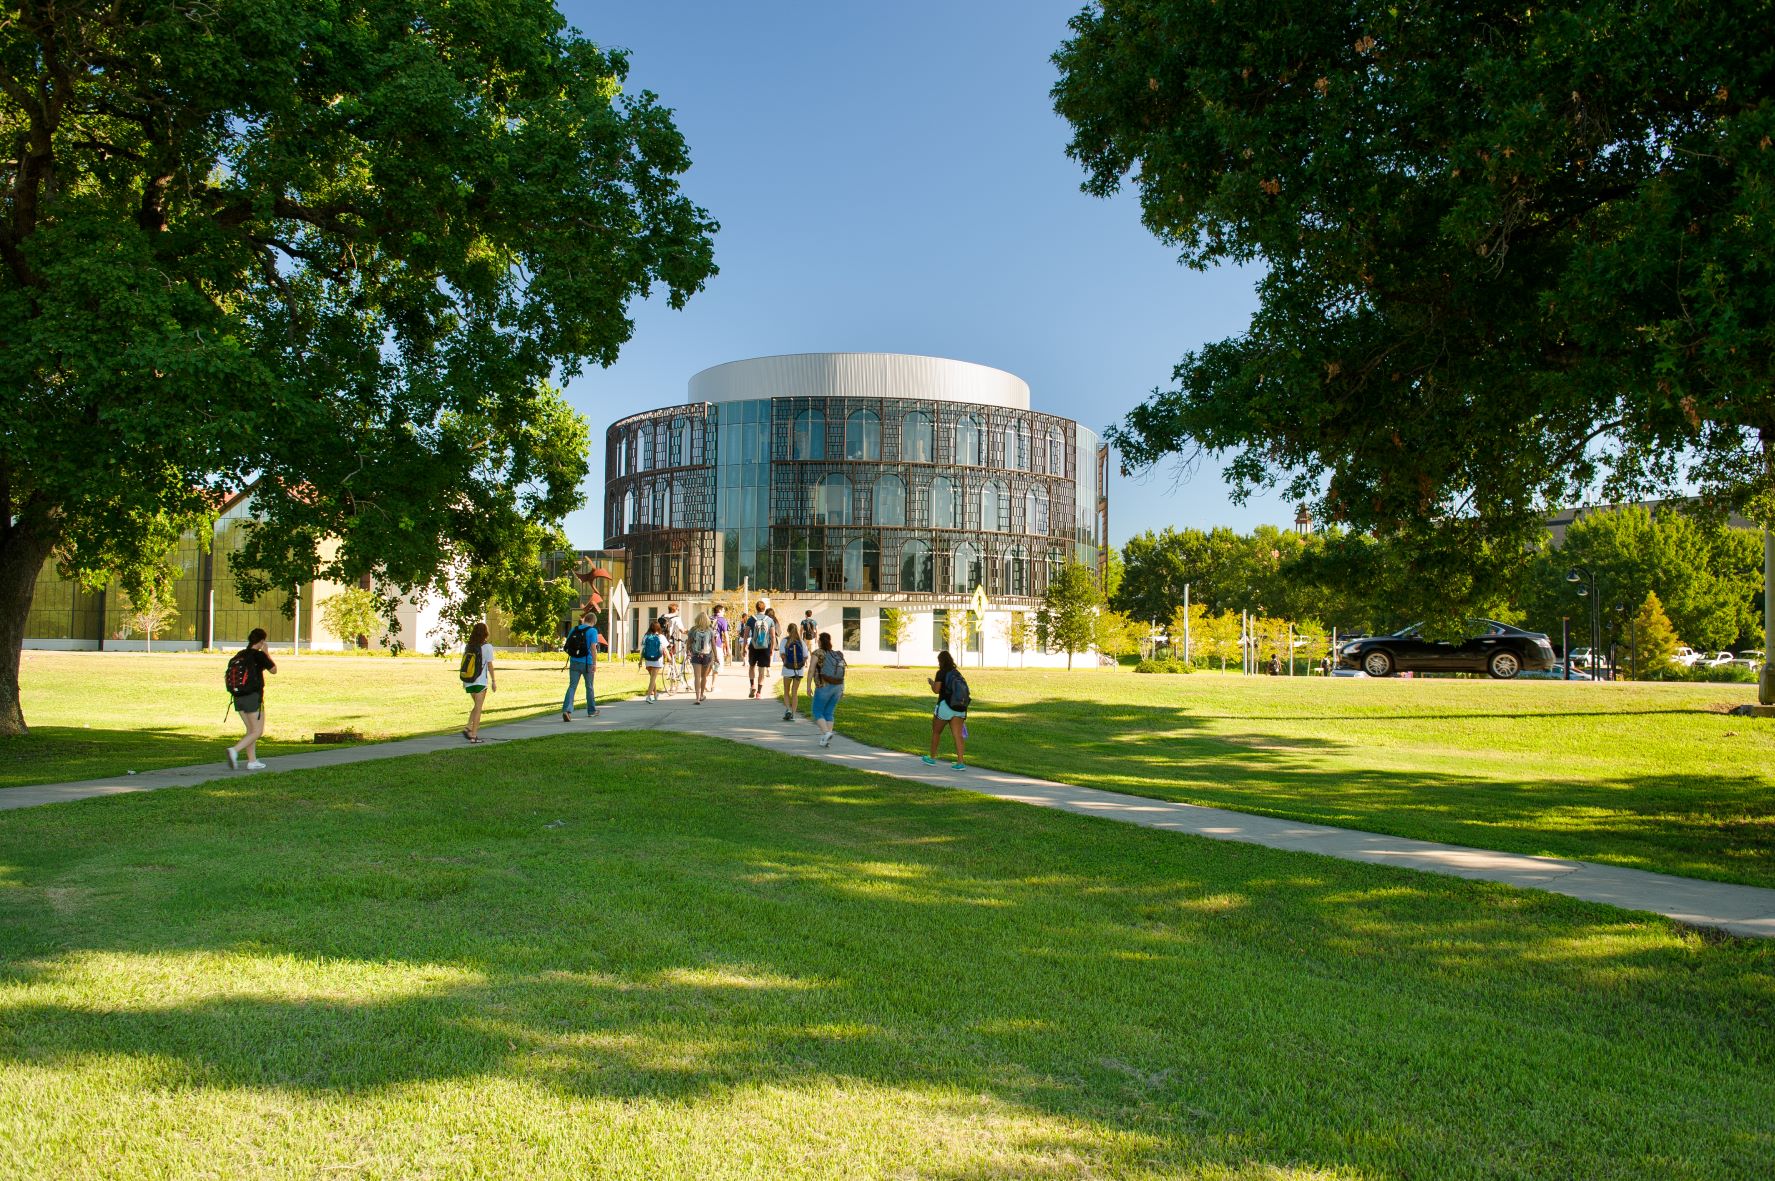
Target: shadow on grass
column 1718, row 826
column 653, row 916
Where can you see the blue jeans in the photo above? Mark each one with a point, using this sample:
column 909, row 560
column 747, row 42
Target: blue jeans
column 825, row 707
column 575, row 670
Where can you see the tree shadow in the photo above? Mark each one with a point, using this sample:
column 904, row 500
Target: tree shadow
column 622, row 917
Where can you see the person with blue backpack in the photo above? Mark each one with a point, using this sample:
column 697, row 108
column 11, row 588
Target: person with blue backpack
column 653, row 657
column 794, row 654
column 952, row 709
column 582, row 661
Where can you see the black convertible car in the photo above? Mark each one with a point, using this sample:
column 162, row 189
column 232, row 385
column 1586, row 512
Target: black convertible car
column 1494, row 648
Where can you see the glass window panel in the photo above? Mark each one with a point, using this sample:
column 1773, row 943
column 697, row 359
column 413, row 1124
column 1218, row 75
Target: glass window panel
column 1035, row 511
column 862, row 435
column 918, row 438
column 942, row 504
column 862, row 566
column 890, row 501
column 915, row 566
column 807, row 439
column 992, row 507
column 964, row 569
column 853, row 629
column 881, row 622
column 969, row 441
column 940, row 629
column 831, row 500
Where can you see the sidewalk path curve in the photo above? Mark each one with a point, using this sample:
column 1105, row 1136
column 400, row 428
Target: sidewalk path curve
column 729, row 714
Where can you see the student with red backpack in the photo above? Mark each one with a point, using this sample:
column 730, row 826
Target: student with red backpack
column 244, row 679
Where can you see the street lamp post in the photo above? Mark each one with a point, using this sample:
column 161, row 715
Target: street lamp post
column 1585, row 579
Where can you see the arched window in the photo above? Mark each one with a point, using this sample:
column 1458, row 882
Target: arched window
column 1055, row 561
column 964, row 569
column 806, row 556
column 631, row 511
column 890, row 501
column 662, row 494
column 644, row 448
column 943, row 504
column 915, row 567
column 862, row 566
column 862, row 435
column 807, row 436
column 1056, row 457
column 831, row 500
column 970, row 441
column 995, row 507
column 624, row 448
column 918, row 438
column 1035, row 511
column 1016, row 579
column 1016, row 447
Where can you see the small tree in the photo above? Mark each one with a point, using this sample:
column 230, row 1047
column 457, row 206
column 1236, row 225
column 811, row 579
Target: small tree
column 1070, row 606
column 351, row 616
column 1654, row 638
column 147, row 612
column 893, row 630
column 959, row 624
column 1219, row 638
column 1116, row 634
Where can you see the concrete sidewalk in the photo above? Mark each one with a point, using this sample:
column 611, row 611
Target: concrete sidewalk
column 729, row 714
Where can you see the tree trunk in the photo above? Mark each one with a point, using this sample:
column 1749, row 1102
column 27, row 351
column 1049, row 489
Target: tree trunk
column 22, row 554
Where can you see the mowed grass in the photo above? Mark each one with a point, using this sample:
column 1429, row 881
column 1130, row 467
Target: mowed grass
column 1654, row 776
column 93, row 714
column 659, row 956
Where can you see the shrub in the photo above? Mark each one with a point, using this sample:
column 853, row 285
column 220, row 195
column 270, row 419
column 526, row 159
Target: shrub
column 1163, row 664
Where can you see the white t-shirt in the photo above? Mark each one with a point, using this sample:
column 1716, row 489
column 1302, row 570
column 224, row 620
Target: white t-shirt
column 486, row 666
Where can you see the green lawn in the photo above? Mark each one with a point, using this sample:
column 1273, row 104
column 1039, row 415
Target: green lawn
column 93, row 714
column 656, row 956
column 1654, row 776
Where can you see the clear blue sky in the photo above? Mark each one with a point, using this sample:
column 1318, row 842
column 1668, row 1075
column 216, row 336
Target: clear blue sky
column 893, row 178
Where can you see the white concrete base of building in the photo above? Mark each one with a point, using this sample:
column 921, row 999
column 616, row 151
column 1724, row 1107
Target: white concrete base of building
column 992, row 644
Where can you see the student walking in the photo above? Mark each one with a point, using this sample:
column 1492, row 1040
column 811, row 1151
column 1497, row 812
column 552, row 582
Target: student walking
column 672, row 627
column 582, row 661
column 653, row 657
column 761, row 635
column 952, row 708
column 720, row 622
column 809, row 629
column 477, row 678
column 828, row 687
column 703, row 647
column 245, row 679
column 794, row 654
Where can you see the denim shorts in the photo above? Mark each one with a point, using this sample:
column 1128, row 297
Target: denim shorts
column 944, row 713
column 825, row 707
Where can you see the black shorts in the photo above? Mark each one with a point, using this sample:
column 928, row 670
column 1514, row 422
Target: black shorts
column 758, row 657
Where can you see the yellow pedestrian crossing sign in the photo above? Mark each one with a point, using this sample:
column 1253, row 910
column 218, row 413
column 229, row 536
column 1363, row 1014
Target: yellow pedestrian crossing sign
column 979, row 605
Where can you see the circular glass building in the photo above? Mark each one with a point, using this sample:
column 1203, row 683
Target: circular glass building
column 847, row 483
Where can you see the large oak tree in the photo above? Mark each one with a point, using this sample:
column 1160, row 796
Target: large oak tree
column 342, row 246
column 1509, row 250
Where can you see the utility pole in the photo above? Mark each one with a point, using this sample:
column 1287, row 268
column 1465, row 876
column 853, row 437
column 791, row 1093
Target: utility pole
column 1186, row 646
column 1766, row 683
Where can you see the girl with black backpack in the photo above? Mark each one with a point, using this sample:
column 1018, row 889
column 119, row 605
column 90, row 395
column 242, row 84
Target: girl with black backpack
column 245, row 681
column 952, row 708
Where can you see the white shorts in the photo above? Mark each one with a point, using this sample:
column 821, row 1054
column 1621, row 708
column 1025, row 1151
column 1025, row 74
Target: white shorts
column 653, row 663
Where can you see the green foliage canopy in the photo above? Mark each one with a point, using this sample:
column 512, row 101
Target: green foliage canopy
column 1507, row 250
column 347, row 247
column 1068, row 615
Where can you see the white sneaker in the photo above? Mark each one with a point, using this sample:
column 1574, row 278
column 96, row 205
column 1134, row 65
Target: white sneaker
column 255, row 765
column 826, row 739
column 233, row 760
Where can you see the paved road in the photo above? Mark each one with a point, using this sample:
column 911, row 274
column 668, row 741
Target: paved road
column 1737, row 910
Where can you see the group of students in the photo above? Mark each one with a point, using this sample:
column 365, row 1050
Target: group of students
column 759, row 635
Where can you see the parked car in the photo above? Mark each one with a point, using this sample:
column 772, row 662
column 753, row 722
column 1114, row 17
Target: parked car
column 1496, row 649
column 1751, row 658
column 1585, row 658
column 1686, row 656
column 1719, row 660
column 1556, row 673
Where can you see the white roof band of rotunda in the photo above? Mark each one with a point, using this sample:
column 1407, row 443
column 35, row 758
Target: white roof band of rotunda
column 860, row 375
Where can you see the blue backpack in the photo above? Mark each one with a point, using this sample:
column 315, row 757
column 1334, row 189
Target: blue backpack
column 794, row 654
column 651, row 647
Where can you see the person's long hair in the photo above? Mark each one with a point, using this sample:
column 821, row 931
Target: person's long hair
column 945, row 663
column 254, row 636
column 478, row 636
column 825, row 641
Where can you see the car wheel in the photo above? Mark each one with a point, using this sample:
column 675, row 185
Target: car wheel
column 1377, row 664
column 1504, row 665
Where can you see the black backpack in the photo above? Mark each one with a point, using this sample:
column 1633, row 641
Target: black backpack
column 577, row 643
column 471, row 665
column 958, row 693
column 239, row 673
